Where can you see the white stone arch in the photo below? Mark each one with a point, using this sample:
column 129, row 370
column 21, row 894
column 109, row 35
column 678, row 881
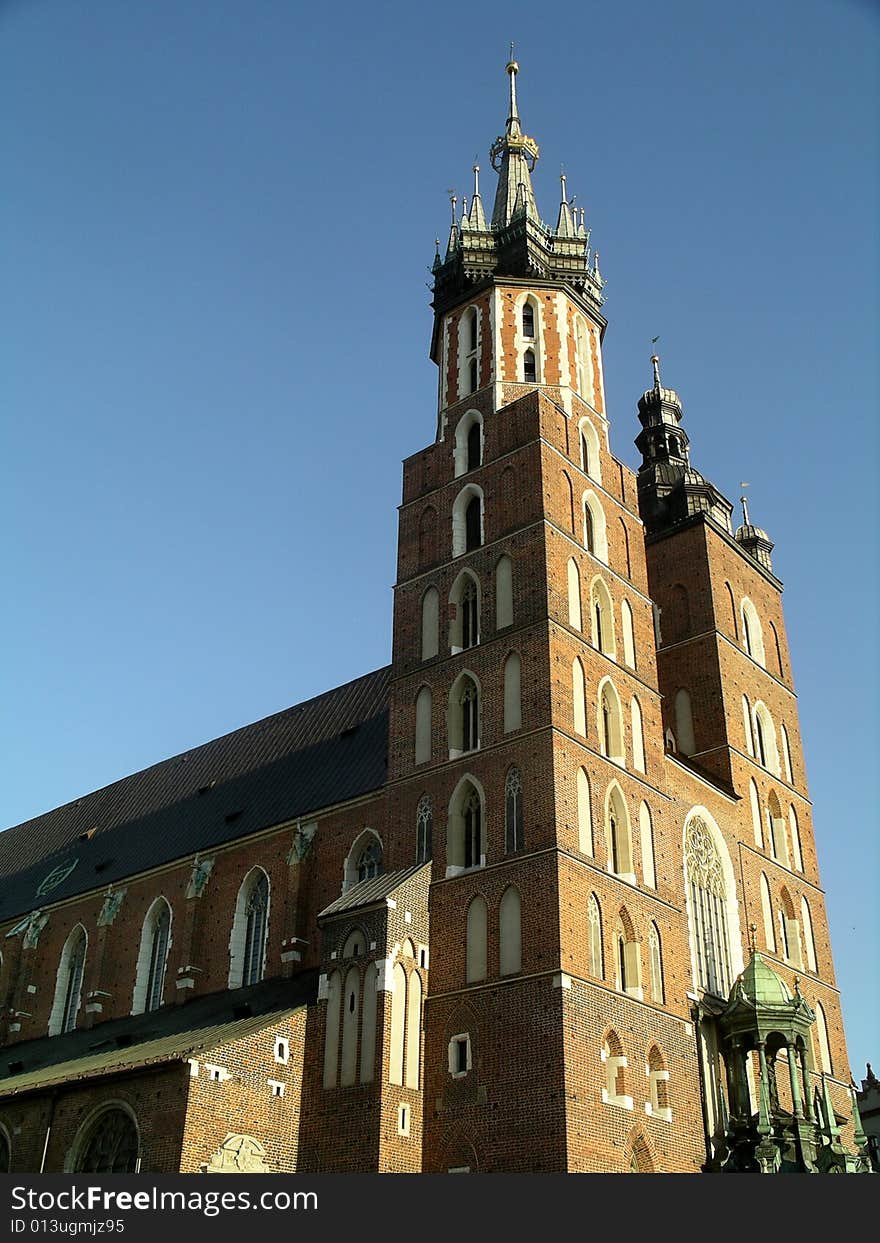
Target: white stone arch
column 590, row 505
column 825, row 1062
column 534, row 343
column 430, row 623
column 766, row 750
column 462, row 432
column 468, row 350
column 398, row 1025
column 748, row 732
column 609, row 721
column 629, row 638
column 752, row 631
column 368, row 1023
column 238, row 936
column 351, row 1013
column 459, row 519
column 503, row 592
column 462, row 632
column 584, row 356
column 588, row 438
column 574, row 595
column 86, row 1129
column 602, row 618
column 355, row 943
column 730, row 901
column 684, row 722
column 767, row 915
column 366, row 840
column 69, row 981
column 424, row 733
column 455, row 714
column 331, row 1029
column 618, row 835
column 413, row 1030
column 456, row 826
column 795, row 835
column 152, row 957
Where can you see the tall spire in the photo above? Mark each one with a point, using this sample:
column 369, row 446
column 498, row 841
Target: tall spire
column 565, row 226
column 477, row 218
column 513, row 156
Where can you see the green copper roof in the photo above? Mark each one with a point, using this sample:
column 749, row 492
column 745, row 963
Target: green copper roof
column 762, row 985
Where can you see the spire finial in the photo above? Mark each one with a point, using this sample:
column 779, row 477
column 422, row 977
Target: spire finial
column 512, row 69
column 562, row 183
column 453, row 200
column 655, row 363
column 476, row 180
column 745, row 504
column 753, row 930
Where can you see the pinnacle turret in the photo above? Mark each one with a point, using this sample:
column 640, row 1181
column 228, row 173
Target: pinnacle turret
column 515, row 242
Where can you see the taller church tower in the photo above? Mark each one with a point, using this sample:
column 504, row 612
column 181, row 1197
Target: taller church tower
column 577, row 654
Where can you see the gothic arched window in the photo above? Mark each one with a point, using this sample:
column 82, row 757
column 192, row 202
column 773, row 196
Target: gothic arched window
column 464, row 832
column 528, row 320
column 68, row 984
column 473, row 523
column 708, row 899
column 153, row 955
column 472, row 815
column 257, row 912
column 109, row 1146
column 424, row 828
column 513, row 811
column 594, row 919
column 474, row 444
column 656, row 964
column 369, row 863
column 529, row 367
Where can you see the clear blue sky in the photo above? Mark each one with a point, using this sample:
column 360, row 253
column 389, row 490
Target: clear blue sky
column 216, row 224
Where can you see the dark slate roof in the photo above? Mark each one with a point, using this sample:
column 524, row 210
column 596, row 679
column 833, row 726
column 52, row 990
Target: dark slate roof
column 369, row 892
column 324, row 751
column 167, row 1035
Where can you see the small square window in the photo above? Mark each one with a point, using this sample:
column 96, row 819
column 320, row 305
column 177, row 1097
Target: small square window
column 459, row 1055
column 275, row 1087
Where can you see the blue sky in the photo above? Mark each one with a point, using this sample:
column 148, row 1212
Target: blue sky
column 216, row 225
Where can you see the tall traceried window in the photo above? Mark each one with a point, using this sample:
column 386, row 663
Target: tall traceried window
column 109, row 1145
column 468, row 448
column 589, row 531
column 766, row 751
column 753, row 635
column 464, row 833
column 602, row 618
column 594, row 934
column 467, row 520
column 369, row 864
column 589, row 450
column 610, row 723
column 658, row 1086
column 655, row 956
column 68, row 983
column 152, row 957
column 255, row 931
column 629, row 957
column 620, row 857
column 424, row 828
column 513, row 812
column 463, row 717
column 464, row 600
column 528, row 319
column 707, row 896
column 595, row 529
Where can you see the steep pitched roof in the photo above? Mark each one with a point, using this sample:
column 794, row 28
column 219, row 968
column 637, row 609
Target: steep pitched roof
column 324, row 751
column 167, row 1035
column 369, row 892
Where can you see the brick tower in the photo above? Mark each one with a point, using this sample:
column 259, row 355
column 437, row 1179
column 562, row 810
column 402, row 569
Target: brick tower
column 601, row 833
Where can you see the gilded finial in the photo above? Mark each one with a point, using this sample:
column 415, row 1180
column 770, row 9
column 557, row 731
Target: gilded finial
column 753, row 930
column 512, row 69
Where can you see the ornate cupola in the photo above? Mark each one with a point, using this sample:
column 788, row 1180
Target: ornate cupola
column 670, row 489
column 515, row 242
column 756, row 542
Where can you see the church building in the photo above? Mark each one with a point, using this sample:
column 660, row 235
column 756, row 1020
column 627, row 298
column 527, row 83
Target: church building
column 540, row 896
